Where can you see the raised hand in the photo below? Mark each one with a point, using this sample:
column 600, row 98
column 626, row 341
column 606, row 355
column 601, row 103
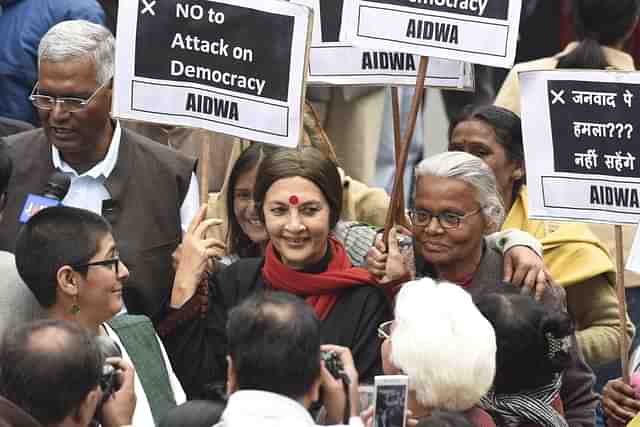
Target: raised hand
column 194, row 256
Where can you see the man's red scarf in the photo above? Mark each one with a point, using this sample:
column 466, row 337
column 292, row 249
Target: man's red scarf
column 321, row 290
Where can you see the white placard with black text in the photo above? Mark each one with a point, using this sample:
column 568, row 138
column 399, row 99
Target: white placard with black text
column 477, row 31
column 581, row 133
column 335, row 62
column 230, row 66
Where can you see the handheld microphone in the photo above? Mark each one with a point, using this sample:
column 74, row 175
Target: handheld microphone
column 57, row 186
column 56, row 189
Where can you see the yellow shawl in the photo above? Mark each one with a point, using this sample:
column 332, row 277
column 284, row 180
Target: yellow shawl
column 572, row 253
column 635, row 422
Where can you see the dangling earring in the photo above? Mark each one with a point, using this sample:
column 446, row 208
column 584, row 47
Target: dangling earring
column 75, row 308
column 518, row 174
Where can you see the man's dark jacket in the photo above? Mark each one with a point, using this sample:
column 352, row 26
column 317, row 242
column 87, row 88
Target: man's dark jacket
column 147, row 188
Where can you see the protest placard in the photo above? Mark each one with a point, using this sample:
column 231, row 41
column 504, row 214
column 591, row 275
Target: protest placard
column 335, row 62
column 477, row 31
column 346, row 64
column 580, row 132
column 231, row 66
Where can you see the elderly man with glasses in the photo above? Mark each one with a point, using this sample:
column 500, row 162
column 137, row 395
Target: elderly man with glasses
column 147, row 192
column 22, row 25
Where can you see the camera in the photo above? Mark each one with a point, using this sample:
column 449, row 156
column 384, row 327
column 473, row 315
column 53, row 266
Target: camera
column 109, row 381
column 333, row 363
column 110, row 378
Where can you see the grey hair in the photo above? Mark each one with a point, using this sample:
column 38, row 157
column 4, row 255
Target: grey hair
column 73, row 40
column 473, row 170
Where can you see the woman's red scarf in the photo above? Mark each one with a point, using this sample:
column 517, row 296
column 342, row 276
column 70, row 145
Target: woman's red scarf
column 321, row 290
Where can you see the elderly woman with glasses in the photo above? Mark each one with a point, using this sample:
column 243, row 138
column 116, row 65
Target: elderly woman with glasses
column 457, row 204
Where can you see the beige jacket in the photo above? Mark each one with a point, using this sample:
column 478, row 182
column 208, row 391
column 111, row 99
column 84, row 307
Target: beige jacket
column 509, row 95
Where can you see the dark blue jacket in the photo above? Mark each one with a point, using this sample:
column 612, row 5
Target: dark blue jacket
column 22, row 25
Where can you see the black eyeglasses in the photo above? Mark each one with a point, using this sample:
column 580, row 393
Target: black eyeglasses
column 67, row 104
column 105, row 262
column 447, row 220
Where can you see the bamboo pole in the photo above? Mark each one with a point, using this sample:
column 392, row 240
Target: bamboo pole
column 622, row 304
column 204, row 173
column 397, row 143
column 401, row 161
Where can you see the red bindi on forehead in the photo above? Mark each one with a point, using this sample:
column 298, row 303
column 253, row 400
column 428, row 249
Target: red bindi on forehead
column 293, row 199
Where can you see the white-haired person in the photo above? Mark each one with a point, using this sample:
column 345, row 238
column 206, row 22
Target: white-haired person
column 449, row 354
column 456, row 204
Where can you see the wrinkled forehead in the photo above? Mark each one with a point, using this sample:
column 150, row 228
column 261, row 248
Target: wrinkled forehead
column 457, row 187
column 76, row 72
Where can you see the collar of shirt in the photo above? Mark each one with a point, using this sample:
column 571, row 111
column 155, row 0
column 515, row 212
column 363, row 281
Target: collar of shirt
column 102, row 168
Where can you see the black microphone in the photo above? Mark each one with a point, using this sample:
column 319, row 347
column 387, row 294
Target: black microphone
column 56, row 189
column 57, row 186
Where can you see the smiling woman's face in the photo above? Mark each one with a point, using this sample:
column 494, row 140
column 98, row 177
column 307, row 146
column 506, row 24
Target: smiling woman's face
column 296, row 215
column 100, row 290
column 449, row 249
column 244, row 207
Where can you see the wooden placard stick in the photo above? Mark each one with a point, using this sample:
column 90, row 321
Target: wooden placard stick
column 397, row 144
column 622, row 305
column 392, row 214
column 204, row 173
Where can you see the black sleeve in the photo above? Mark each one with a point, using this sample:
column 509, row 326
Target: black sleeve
column 578, row 398
column 195, row 335
column 354, row 323
column 366, row 348
column 195, row 340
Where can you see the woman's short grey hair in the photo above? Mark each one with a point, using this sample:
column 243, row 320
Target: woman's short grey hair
column 442, row 342
column 73, row 40
column 473, row 170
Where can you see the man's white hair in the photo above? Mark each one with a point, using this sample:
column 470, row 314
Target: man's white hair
column 473, row 170
column 444, row 344
column 77, row 39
